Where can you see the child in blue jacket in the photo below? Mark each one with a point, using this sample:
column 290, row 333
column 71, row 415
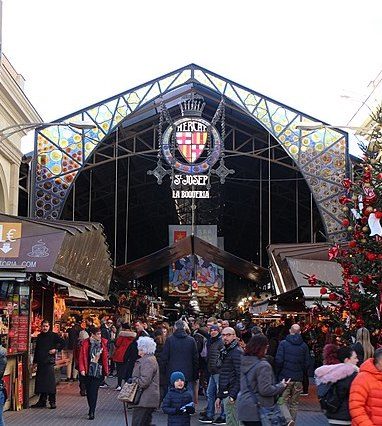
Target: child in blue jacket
column 178, row 402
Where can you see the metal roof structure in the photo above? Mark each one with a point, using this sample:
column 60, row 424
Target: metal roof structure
column 285, row 188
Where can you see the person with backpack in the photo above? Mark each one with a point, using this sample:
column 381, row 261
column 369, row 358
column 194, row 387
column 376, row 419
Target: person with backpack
column 333, row 386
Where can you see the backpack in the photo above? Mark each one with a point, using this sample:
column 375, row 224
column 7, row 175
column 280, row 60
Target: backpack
column 328, row 397
column 201, row 344
column 204, row 351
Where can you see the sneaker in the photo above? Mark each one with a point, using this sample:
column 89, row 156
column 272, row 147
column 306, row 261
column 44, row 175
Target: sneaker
column 104, row 386
column 219, row 421
column 118, row 388
column 205, row 419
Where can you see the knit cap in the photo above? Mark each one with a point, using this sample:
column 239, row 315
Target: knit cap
column 176, row 375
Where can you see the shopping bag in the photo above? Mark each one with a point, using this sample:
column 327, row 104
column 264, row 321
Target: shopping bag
column 130, row 393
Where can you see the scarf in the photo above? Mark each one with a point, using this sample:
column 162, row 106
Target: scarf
column 224, row 352
column 95, row 364
column 95, row 349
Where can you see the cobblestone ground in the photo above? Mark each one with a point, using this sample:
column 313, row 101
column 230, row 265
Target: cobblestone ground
column 72, row 410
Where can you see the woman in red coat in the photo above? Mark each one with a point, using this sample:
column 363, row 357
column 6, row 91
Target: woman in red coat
column 124, row 339
column 93, row 364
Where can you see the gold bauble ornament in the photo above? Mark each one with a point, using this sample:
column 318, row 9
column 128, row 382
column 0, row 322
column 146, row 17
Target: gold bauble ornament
column 345, row 209
column 363, row 241
column 350, row 229
column 365, row 229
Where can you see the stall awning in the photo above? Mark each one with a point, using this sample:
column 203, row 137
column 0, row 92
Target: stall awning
column 77, row 293
column 73, row 251
column 289, row 263
column 189, row 246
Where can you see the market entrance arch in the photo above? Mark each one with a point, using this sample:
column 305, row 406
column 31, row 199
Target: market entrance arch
column 291, row 178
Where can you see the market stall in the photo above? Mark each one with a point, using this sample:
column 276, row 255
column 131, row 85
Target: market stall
column 37, row 260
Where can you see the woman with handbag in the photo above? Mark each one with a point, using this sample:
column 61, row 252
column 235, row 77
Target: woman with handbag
column 257, row 384
column 146, row 375
column 93, row 364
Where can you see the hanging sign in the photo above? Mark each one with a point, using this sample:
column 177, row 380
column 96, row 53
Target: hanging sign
column 191, row 146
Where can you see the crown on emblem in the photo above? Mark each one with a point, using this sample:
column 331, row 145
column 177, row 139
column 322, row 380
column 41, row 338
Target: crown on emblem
column 192, row 105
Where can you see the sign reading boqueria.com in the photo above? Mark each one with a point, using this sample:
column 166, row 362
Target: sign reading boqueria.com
column 23, row 264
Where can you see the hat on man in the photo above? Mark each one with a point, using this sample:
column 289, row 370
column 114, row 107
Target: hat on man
column 214, row 327
column 176, row 375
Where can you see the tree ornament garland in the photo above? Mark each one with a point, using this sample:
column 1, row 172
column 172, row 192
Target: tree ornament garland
column 358, row 302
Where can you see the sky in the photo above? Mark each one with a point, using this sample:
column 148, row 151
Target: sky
column 305, row 54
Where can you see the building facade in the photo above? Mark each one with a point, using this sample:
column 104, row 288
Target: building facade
column 15, row 109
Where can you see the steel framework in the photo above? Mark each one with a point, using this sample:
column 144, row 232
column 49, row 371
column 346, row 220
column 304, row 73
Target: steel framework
column 321, row 156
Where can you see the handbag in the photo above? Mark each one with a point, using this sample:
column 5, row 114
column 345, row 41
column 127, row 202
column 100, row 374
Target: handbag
column 269, row 416
column 130, row 393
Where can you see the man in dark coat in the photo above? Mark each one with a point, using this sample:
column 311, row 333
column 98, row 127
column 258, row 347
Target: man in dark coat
column 180, row 354
column 229, row 376
column 292, row 358
column 214, row 345
column 47, row 344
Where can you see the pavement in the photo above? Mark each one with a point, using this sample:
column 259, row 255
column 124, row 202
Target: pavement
column 72, row 410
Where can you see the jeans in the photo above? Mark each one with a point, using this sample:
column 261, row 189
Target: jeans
column 291, row 396
column 230, row 413
column 2, row 401
column 92, row 385
column 212, row 390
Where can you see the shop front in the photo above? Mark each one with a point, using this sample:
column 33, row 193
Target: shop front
column 39, row 263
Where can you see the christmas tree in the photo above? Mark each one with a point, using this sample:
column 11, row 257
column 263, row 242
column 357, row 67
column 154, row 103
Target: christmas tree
column 358, row 302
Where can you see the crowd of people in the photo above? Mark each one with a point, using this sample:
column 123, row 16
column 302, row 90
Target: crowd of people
column 238, row 366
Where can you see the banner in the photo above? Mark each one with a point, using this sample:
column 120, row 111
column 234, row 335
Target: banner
column 193, row 273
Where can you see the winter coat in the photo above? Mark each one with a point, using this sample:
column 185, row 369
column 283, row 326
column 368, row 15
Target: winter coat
column 45, row 377
column 73, row 333
column 176, row 398
column 292, row 358
column 229, row 375
column 146, row 374
column 366, row 395
column 262, row 382
column 213, row 349
column 83, row 359
column 124, row 339
column 342, row 375
column 180, row 354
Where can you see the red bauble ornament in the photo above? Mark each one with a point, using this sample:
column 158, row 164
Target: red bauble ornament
column 371, row 256
column 345, row 222
column 333, row 297
column 378, row 215
column 353, row 244
column 338, row 331
column 379, row 175
column 355, row 306
column 355, row 279
column 323, row 290
column 347, row 183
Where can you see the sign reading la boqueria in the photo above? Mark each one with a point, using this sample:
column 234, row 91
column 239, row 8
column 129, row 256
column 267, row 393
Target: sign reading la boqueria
column 196, row 182
column 191, row 146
